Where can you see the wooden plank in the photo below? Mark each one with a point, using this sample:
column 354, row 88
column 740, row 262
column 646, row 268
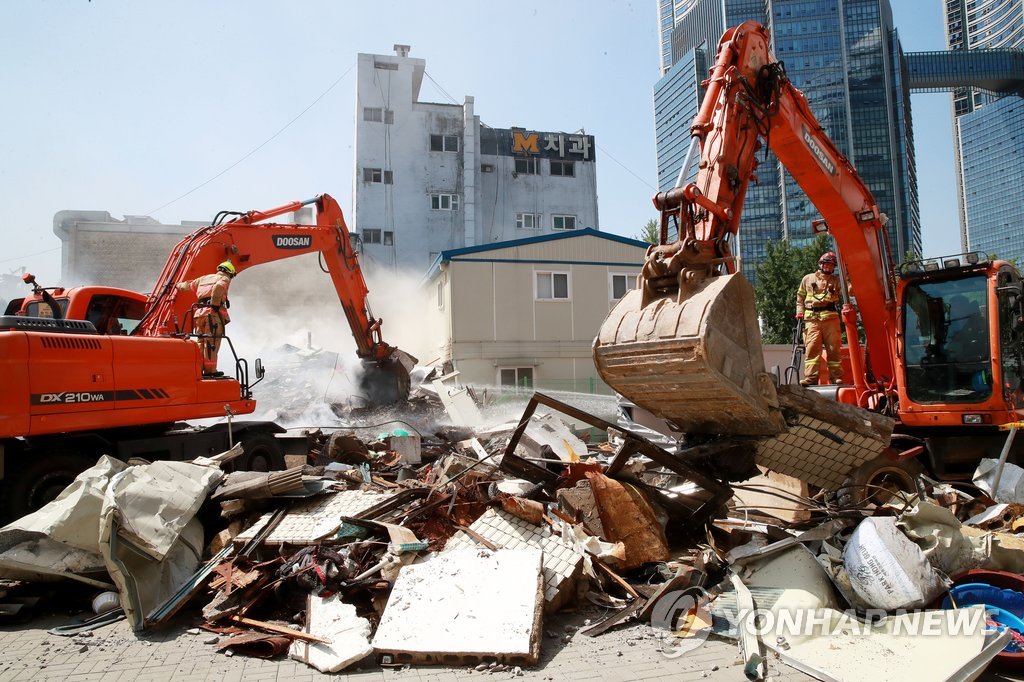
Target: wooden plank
column 277, row 629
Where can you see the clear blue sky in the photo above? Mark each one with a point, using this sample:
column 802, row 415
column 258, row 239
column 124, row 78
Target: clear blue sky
column 126, row 106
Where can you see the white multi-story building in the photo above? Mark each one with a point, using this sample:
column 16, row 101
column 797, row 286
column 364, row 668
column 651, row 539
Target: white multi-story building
column 430, row 177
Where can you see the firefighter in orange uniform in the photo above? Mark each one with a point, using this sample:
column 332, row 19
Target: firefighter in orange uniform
column 817, row 304
column 211, row 312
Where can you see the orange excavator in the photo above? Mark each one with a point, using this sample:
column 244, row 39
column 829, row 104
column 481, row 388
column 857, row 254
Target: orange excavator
column 685, row 345
column 98, row 370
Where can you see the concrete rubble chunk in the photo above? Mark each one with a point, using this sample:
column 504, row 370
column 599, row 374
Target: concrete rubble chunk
column 465, row 606
column 336, row 621
column 563, row 561
column 579, row 503
column 408, row 447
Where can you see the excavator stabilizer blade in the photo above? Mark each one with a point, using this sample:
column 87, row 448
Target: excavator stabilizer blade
column 698, row 363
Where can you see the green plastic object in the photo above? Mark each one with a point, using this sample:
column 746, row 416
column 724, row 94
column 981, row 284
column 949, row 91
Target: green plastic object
column 351, row 530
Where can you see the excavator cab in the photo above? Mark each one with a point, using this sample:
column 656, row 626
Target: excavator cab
column 962, row 337
column 947, row 342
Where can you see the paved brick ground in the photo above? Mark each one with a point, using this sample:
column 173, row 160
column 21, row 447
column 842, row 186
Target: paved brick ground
column 29, row 652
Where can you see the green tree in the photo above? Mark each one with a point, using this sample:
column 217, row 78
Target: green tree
column 778, row 277
column 650, row 232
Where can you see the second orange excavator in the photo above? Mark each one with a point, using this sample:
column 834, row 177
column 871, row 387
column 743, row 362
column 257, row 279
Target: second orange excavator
column 686, row 345
column 99, row 370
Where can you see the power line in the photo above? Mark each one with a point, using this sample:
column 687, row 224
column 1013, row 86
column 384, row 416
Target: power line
column 626, row 168
column 261, row 146
column 29, row 255
column 443, row 91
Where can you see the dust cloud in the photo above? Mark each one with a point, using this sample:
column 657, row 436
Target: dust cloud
column 288, row 313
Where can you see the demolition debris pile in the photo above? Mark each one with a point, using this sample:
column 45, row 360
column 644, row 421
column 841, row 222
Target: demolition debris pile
column 451, row 548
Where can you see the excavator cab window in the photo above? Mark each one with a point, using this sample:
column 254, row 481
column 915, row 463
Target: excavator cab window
column 112, row 314
column 43, row 309
column 946, row 341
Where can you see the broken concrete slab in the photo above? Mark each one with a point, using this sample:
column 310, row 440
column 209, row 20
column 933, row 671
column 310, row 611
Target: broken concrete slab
column 579, row 503
column 312, row 520
column 334, row 620
column 761, row 491
column 563, row 563
column 466, row 606
column 825, row 440
column 408, row 447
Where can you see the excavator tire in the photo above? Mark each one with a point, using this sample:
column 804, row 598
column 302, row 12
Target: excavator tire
column 879, row 480
column 40, row 480
column 697, row 362
column 262, row 452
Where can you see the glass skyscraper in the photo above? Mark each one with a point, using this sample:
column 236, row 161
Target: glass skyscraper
column 846, row 57
column 989, row 132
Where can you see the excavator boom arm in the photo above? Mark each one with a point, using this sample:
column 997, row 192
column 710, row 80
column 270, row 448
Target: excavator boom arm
column 247, row 241
column 686, row 344
column 748, row 99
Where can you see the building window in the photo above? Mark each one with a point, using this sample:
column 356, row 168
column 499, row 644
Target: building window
column 528, row 221
column 444, row 202
column 486, row 167
column 387, row 66
column 553, row 286
column 564, row 168
column 389, row 238
column 440, row 295
column 563, row 222
column 444, row 143
column 526, row 166
column 621, row 283
column 378, row 115
column 378, row 175
column 518, row 377
column 371, row 236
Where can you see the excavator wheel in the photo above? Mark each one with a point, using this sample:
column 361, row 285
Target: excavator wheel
column 697, row 361
column 32, row 484
column 262, row 452
column 879, row 480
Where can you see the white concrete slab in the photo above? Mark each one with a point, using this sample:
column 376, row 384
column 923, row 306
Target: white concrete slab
column 464, row 606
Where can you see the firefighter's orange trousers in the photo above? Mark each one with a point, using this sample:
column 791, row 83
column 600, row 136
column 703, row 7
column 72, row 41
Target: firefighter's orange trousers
column 211, row 327
column 822, row 335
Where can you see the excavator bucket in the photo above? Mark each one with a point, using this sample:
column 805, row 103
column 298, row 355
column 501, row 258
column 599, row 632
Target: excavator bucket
column 388, row 381
column 696, row 362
